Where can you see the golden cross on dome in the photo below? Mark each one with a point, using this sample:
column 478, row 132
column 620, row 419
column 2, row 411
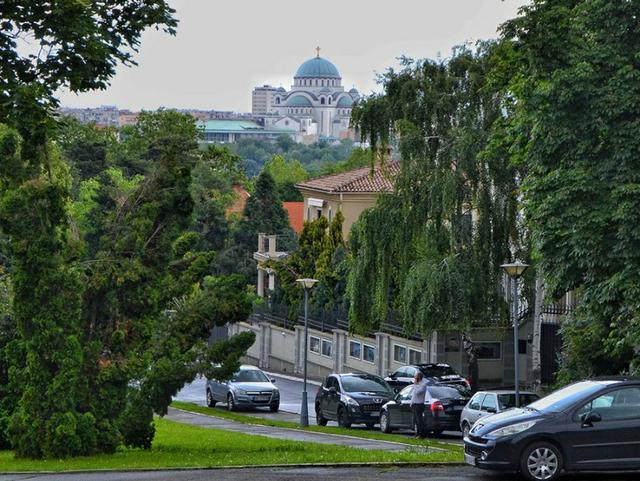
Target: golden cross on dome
column 318, row 52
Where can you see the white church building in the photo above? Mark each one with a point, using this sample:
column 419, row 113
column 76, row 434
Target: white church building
column 317, row 104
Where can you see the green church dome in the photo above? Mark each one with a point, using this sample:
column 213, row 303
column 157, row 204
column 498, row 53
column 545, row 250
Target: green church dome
column 298, row 101
column 317, row 67
column 345, row 101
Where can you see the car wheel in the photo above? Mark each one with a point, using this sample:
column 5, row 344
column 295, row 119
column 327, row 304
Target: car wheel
column 343, row 418
column 541, row 462
column 231, row 404
column 385, row 424
column 210, row 401
column 274, row 408
column 465, row 430
column 320, row 420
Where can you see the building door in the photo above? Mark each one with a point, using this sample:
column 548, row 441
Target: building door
column 550, row 346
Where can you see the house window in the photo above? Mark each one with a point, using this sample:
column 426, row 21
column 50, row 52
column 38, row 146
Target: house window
column 355, row 349
column 489, row 350
column 368, row 353
column 415, row 357
column 327, row 347
column 318, row 213
column 314, row 344
column 400, row 354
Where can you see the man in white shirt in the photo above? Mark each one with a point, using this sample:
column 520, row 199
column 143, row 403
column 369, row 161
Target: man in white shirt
column 417, row 404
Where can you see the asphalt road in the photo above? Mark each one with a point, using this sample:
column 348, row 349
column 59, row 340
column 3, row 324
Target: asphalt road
column 309, row 474
column 290, row 403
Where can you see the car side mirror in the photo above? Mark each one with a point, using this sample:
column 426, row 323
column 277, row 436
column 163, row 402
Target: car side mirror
column 590, row 418
column 273, row 380
column 391, row 375
column 333, row 390
column 491, row 410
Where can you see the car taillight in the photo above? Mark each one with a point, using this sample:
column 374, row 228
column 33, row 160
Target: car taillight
column 436, row 406
column 466, row 381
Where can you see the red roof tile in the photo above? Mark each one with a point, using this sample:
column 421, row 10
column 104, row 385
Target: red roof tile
column 358, row 180
column 296, row 215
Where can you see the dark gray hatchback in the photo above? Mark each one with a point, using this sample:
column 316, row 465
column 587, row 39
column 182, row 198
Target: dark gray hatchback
column 351, row 399
column 587, row 426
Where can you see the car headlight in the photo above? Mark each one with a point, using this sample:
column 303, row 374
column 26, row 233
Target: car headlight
column 350, row 401
column 276, row 393
column 512, row 429
column 242, row 392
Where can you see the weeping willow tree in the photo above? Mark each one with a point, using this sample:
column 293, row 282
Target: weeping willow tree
column 453, row 218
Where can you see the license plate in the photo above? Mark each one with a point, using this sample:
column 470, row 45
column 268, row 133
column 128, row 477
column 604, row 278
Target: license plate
column 469, row 459
column 375, row 414
column 261, row 398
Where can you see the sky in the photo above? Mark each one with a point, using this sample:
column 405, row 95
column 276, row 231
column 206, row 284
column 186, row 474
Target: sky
column 224, row 48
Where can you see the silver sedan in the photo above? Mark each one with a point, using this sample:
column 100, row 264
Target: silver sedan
column 249, row 387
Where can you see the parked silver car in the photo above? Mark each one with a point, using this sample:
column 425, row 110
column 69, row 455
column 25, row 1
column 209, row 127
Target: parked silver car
column 249, row 387
column 484, row 403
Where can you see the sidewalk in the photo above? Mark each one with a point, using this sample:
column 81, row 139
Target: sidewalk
column 284, row 433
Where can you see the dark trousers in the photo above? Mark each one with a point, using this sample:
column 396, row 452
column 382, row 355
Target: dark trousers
column 418, row 420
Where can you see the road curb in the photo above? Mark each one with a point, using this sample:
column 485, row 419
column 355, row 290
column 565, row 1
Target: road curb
column 415, row 446
column 382, row 464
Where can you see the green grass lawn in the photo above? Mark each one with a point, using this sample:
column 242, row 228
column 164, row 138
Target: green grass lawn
column 360, row 433
column 179, row 445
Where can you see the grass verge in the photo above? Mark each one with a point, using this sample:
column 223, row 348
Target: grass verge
column 359, row 433
column 179, row 445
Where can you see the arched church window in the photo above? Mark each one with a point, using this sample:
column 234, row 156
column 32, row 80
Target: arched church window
column 329, row 100
column 278, row 100
column 322, row 100
column 316, row 82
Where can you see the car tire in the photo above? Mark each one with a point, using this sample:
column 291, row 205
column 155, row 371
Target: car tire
column 231, row 404
column 385, row 422
column 541, row 462
column 343, row 418
column 210, row 401
column 274, row 408
column 465, row 430
column 320, row 420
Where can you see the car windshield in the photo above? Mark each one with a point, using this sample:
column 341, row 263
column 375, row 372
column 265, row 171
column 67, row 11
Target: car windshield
column 249, row 375
column 442, row 392
column 567, row 396
column 434, row 371
column 509, row 400
column 365, row 384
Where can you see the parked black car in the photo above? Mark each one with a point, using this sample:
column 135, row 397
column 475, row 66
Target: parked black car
column 351, row 399
column 587, row 426
column 443, row 405
column 434, row 374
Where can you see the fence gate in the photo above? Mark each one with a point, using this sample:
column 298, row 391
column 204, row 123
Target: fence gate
column 550, row 347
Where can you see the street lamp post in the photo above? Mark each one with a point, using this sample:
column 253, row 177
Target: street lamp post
column 306, row 284
column 514, row 271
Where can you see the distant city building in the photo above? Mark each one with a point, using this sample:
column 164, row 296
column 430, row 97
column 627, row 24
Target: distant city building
column 104, row 116
column 229, row 131
column 317, row 104
column 127, row 117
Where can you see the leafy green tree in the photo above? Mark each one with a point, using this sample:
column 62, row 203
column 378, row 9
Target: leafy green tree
column 576, row 82
column 286, row 175
column 431, row 251
column 93, row 356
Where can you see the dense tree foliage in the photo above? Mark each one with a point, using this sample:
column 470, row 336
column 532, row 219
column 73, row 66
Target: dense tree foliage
column 109, row 297
column 255, row 153
column 452, row 219
column 577, row 83
column 286, row 174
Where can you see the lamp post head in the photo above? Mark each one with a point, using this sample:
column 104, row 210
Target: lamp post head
column 515, row 269
column 307, row 283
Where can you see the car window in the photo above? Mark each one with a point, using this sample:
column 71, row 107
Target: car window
column 507, row 401
column 333, row 382
column 365, row 383
column 489, row 402
column 622, row 403
column 249, row 375
column 438, row 370
column 398, row 373
column 568, row 396
column 411, row 372
column 445, row 392
column 476, row 401
column 405, row 394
